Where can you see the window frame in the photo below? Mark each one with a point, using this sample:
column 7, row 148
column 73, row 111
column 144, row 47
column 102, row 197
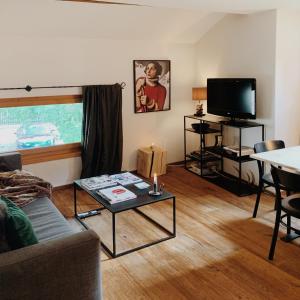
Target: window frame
column 44, row 154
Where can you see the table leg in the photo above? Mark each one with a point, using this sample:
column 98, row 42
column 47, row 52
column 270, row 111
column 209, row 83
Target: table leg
column 174, row 216
column 114, row 234
column 75, row 200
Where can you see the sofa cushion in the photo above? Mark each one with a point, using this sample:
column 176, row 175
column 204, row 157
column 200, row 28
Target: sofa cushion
column 48, row 223
column 10, row 161
column 18, row 229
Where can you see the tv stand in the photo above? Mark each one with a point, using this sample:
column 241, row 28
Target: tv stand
column 207, row 161
column 239, row 123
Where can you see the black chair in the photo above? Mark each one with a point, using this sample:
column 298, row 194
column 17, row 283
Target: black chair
column 265, row 180
column 289, row 205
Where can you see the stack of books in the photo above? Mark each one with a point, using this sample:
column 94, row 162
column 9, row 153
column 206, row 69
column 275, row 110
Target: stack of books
column 116, row 194
column 98, row 182
column 245, row 150
column 125, row 178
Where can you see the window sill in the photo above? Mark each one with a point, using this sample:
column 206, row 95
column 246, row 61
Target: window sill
column 38, row 155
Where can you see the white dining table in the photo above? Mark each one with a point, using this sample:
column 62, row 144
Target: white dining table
column 287, row 157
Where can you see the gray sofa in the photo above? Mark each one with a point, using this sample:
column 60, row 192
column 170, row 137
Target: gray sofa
column 63, row 265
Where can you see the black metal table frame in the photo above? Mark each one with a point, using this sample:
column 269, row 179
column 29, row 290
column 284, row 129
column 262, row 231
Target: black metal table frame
column 113, row 253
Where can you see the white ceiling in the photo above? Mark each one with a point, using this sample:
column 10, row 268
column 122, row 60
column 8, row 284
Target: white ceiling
column 226, row 6
column 181, row 21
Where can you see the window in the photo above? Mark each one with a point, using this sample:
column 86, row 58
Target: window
column 56, row 122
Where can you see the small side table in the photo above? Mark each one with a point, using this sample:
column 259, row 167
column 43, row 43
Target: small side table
column 151, row 160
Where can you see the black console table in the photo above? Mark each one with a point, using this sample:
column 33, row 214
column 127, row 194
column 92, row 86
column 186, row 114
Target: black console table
column 208, row 161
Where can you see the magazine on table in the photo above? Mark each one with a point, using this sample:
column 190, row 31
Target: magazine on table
column 126, row 178
column 98, row 182
column 116, row 194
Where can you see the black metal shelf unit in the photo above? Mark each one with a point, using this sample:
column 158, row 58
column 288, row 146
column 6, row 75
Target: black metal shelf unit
column 207, row 155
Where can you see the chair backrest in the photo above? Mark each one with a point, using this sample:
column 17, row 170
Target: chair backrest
column 291, row 181
column 268, row 146
column 264, row 147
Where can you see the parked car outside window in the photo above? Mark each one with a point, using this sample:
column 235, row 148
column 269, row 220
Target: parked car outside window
column 35, row 135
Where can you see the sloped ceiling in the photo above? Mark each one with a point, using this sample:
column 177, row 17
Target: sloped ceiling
column 225, row 6
column 169, row 20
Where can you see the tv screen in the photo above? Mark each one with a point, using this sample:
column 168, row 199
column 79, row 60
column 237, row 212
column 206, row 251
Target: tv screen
column 232, row 97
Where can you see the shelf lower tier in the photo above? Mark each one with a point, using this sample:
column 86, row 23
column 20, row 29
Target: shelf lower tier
column 206, row 157
column 228, row 182
column 226, row 154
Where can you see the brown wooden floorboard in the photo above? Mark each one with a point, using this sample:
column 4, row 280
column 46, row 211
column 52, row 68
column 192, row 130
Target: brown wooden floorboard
column 220, row 252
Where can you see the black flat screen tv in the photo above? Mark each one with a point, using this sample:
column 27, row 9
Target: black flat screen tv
column 232, row 97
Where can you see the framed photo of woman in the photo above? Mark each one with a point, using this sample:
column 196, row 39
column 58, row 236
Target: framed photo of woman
column 152, row 85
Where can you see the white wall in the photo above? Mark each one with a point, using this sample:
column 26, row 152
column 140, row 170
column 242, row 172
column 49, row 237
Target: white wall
column 58, row 172
column 73, row 61
column 242, row 46
column 287, row 104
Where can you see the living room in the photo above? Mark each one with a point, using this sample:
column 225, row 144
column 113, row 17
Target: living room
column 64, row 43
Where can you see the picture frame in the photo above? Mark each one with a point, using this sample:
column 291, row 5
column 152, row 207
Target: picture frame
column 152, row 85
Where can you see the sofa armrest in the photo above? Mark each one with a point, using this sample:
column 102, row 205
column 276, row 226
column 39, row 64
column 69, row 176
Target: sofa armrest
column 66, row 268
column 10, row 161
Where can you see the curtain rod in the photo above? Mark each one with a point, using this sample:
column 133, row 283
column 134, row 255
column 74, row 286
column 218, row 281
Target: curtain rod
column 28, row 88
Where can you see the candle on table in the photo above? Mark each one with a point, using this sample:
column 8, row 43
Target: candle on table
column 155, row 187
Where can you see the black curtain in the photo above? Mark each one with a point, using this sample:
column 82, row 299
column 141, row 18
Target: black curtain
column 102, row 132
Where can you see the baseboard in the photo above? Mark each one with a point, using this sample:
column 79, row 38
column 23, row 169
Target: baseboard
column 62, row 187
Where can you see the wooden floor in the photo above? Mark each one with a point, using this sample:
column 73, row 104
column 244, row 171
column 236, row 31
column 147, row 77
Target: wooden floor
column 220, row 252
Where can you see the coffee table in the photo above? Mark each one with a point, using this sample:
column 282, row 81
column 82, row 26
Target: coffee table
column 142, row 199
